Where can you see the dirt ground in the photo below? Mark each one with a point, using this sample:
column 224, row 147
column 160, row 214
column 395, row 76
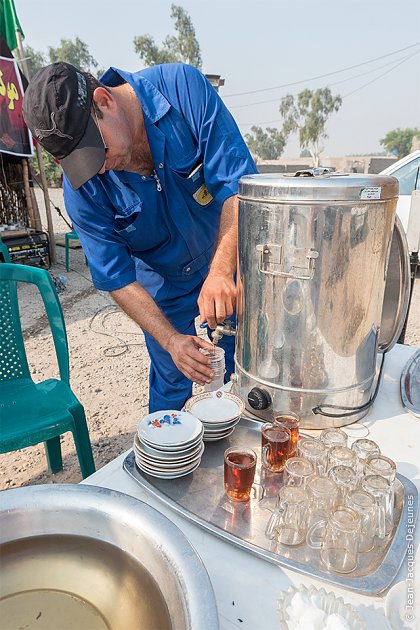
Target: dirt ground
column 108, row 366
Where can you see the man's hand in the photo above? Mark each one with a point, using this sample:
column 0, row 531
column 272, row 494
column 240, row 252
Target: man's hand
column 217, row 299
column 185, row 353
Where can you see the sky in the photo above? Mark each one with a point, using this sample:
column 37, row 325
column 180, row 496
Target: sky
column 262, row 44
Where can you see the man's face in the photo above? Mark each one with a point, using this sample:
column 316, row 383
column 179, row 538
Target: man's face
column 117, row 139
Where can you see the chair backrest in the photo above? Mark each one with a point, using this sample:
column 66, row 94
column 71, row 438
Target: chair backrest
column 4, row 252
column 13, row 362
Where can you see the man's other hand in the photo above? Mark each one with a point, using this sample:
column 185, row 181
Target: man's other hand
column 217, row 299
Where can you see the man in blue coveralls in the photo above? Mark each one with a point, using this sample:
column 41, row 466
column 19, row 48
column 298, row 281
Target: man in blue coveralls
column 151, row 166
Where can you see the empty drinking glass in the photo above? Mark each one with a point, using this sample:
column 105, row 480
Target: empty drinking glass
column 365, row 505
column 345, row 478
column 333, row 437
column 363, row 449
column 381, row 490
column 383, row 466
column 297, row 472
column 341, row 456
column 322, row 499
column 288, row 521
column 340, row 545
column 314, row 451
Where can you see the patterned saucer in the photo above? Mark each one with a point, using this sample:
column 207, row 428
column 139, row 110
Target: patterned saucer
column 169, row 429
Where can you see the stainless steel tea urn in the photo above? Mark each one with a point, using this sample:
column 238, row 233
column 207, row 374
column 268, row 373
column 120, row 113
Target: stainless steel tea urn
column 313, row 255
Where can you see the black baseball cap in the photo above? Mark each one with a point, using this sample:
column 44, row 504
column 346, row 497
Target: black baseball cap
column 57, row 109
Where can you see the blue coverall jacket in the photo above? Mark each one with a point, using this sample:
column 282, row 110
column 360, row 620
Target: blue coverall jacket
column 162, row 230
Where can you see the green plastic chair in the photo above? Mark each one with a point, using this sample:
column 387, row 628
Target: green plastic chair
column 37, row 412
column 4, row 252
column 70, row 236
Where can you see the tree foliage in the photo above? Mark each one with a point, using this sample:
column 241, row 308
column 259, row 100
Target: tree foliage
column 52, row 169
column 77, row 53
column 307, row 115
column 266, row 145
column 182, row 47
column 399, row 141
column 35, row 60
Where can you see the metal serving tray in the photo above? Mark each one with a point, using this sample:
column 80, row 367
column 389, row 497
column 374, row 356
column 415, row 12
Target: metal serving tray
column 410, row 384
column 200, row 498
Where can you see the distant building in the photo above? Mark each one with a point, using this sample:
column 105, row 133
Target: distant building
column 215, row 80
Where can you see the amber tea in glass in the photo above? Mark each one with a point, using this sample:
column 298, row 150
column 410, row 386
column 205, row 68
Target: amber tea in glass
column 276, row 443
column 291, row 422
column 239, row 472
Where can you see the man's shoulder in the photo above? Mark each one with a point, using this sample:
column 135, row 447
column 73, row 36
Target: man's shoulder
column 170, row 72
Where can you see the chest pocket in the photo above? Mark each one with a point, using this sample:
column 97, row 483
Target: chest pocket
column 195, row 187
column 142, row 225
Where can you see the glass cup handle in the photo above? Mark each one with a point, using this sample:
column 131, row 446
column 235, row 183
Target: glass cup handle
column 381, row 506
column 310, row 541
column 274, row 522
column 264, row 455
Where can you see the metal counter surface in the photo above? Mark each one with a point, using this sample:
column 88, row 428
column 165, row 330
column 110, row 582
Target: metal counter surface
column 247, row 587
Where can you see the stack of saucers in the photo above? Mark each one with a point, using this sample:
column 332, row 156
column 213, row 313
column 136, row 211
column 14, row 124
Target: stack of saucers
column 169, row 444
column 219, row 412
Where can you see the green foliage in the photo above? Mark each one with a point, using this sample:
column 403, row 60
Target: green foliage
column 77, row 53
column 52, row 170
column 183, row 47
column 307, row 115
column 266, row 145
column 35, row 60
column 399, row 141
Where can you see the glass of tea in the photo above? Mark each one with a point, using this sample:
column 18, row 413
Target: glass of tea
column 239, row 472
column 276, row 443
column 290, row 421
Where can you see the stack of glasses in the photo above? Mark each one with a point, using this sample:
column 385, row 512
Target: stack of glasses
column 337, row 499
column 217, row 365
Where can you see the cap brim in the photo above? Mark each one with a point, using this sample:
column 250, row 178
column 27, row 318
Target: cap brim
column 86, row 159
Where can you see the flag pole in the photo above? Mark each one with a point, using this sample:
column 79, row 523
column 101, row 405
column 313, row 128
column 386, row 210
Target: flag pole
column 53, row 253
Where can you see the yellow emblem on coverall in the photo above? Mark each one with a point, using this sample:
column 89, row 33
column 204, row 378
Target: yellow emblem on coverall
column 202, row 196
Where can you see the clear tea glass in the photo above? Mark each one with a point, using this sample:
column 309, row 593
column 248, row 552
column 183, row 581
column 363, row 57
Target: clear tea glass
column 340, row 545
column 291, row 421
column 341, row 456
column 364, row 504
column 346, row 480
column 314, row 451
column 322, row 500
column 239, row 472
column 381, row 490
column 297, row 472
column 288, row 521
column 363, row 449
column 275, row 446
column 333, row 437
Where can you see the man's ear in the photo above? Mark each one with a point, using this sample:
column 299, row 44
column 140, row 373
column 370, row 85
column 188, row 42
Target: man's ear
column 103, row 99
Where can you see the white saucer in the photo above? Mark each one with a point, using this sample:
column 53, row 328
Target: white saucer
column 215, row 438
column 395, row 608
column 215, row 407
column 169, row 429
column 168, row 465
column 162, row 457
column 166, row 455
column 217, row 429
column 161, row 475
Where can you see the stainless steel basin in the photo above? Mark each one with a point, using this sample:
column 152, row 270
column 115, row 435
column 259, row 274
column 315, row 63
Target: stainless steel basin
column 79, row 556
